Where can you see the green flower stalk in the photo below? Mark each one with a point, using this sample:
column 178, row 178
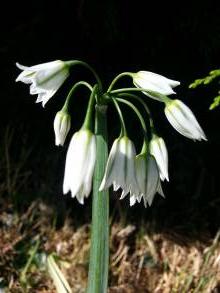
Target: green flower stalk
column 99, row 251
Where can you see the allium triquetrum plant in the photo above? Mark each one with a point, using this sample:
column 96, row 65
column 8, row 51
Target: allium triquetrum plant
column 88, row 165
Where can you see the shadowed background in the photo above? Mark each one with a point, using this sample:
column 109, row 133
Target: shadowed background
column 181, row 42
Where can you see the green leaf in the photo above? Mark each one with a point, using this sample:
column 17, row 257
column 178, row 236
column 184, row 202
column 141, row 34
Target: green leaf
column 60, row 282
column 215, row 103
column 207, row 79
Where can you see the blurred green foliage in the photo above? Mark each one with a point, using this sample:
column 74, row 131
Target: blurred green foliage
column 206, row 80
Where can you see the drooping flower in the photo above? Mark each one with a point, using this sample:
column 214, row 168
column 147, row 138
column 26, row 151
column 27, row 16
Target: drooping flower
column 120, row 167
column 80, row 163
column 154, row 82
column 45, row 78
column 183, row 120
column 148, row 179
column 62, row 123
column 159, row 151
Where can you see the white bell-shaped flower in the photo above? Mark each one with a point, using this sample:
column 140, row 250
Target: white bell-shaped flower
column 62, row 123
column 80, row 163
column 154, row 82
column 148, row 179
column 183, row 120
column 159, row 151
column 44, row 79
column 120, row 168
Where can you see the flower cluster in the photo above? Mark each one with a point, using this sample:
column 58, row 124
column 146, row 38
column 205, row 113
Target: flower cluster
column 138, row 175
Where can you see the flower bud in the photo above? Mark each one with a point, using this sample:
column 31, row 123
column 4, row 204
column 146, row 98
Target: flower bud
column 154, row 82
column 62, row 123
column 183, row 120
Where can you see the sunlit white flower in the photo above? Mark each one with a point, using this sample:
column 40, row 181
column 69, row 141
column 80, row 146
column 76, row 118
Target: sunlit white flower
column 183, row 120
column 45, row 79
column 154, row 82
column 148, row 179
column 159, row 151
column 61, row 124
column 80, row 163
column 120, row 168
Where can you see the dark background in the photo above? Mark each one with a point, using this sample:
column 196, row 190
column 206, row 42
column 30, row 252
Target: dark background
column 180, row 41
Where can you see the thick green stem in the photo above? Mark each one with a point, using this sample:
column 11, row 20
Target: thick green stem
column 99, row 251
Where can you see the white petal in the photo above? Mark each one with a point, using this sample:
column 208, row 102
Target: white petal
column 142, row 172
column 50, row 66
column 35, row 90
column 154, row 82
column 120, row 168
column 163, row 89
column 131, row 179
column 160, row 190
column 183, row 120
column 159, row 151
column 115, row 186
column 51, row 80
column 46, row 78
column 91, row 158
column 80, row 165
column 178, row 124
column 69, row 163
column 40, row 98
column 124, row 192
column 160, row 88
column 77, row 163
column 45, row 97
column 111, row 167
column 80, row 195
column 57, row 125
column 189, row 115
column 132, row 200
column 153, row 175
column 62, row 123
column 148, row 176
column 22, row 67
column 157, row 78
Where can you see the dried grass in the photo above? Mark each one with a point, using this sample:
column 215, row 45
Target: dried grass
column 139, row 262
